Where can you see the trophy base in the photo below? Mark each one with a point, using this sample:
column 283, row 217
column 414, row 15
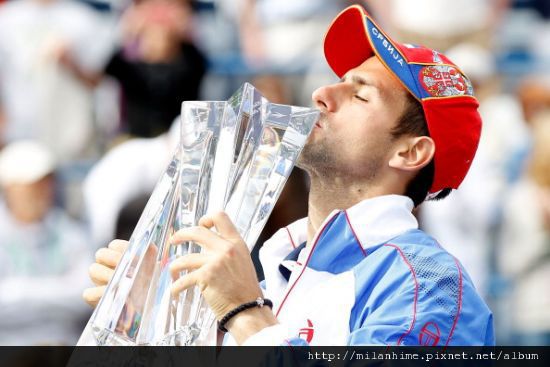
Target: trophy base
column 109, row 337
column 183, row 337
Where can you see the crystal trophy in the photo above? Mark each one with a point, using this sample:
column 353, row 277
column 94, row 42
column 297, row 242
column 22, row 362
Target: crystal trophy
column 233, row 155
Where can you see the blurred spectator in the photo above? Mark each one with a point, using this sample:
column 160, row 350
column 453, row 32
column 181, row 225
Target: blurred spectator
column 534, row 95
column 39, row 99
column 157, row 65
column 281, row 38
column 540, row 6
column 268, row 25
column 440, row 24
column 2, row 122
column 44, row 254
column 525, row 252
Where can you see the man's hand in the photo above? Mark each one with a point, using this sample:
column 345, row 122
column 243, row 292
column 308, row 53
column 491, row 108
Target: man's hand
column 223, row 272
column 103, row 269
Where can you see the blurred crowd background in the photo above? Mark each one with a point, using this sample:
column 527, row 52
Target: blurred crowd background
column 90, row 91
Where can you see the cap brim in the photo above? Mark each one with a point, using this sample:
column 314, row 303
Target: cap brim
column 344, row 49
column 354, row 36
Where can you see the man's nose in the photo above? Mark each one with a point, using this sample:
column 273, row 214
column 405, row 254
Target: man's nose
column 326, row 98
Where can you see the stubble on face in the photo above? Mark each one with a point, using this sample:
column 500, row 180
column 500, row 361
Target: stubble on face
column 324, row 157
column 316, row 154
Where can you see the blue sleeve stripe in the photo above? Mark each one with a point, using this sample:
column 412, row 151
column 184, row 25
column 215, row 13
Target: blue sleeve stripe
column 415, row 292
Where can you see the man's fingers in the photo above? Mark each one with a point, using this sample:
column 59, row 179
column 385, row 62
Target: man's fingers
column 200, row 235
column 100, row 274
column 206, row 222
column 223, row 224
column 107, row 256
column 93, row 295
column 187, row 262
column 119, row 245
column 183, row 283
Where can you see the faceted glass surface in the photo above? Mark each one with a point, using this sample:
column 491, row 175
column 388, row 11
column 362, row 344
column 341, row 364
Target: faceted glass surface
column 234, row 156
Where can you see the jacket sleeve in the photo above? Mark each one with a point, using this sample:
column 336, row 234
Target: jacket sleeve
column 418, row 298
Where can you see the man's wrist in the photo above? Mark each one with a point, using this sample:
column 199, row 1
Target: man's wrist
column 249, row 322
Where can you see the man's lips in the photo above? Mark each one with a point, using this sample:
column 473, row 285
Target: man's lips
column 321, row 122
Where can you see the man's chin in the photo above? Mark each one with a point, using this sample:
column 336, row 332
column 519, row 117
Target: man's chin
column 300, row 163
column 311, row 159
column 304, row 163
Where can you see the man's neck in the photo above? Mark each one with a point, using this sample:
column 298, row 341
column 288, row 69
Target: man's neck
column 325, row 197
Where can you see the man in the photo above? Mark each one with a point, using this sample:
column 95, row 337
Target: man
column 39, row 99
column 400, row 124
column 441, row 23
column 43, row 252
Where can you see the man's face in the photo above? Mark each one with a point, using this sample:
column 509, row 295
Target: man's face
column 30, row 202
column 353, row 136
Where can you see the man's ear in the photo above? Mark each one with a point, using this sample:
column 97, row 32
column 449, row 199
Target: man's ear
column 413, row 153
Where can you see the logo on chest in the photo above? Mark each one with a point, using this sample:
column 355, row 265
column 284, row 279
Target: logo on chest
column 307, row 332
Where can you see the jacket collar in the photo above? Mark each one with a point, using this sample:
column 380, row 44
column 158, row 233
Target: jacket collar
column 345, row 237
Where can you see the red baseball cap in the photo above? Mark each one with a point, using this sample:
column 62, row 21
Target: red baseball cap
column 436, row 82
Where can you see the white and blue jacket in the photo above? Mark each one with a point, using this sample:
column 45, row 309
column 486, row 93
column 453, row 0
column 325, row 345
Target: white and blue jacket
column 370, row 277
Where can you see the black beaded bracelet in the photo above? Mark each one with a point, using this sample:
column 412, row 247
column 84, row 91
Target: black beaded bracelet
column 259, row 302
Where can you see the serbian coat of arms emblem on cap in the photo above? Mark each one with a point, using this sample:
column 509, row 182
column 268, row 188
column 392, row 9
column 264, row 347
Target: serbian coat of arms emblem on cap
column 444, row 81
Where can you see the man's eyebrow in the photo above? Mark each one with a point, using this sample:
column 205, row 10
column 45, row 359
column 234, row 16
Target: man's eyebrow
column 356, row 79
